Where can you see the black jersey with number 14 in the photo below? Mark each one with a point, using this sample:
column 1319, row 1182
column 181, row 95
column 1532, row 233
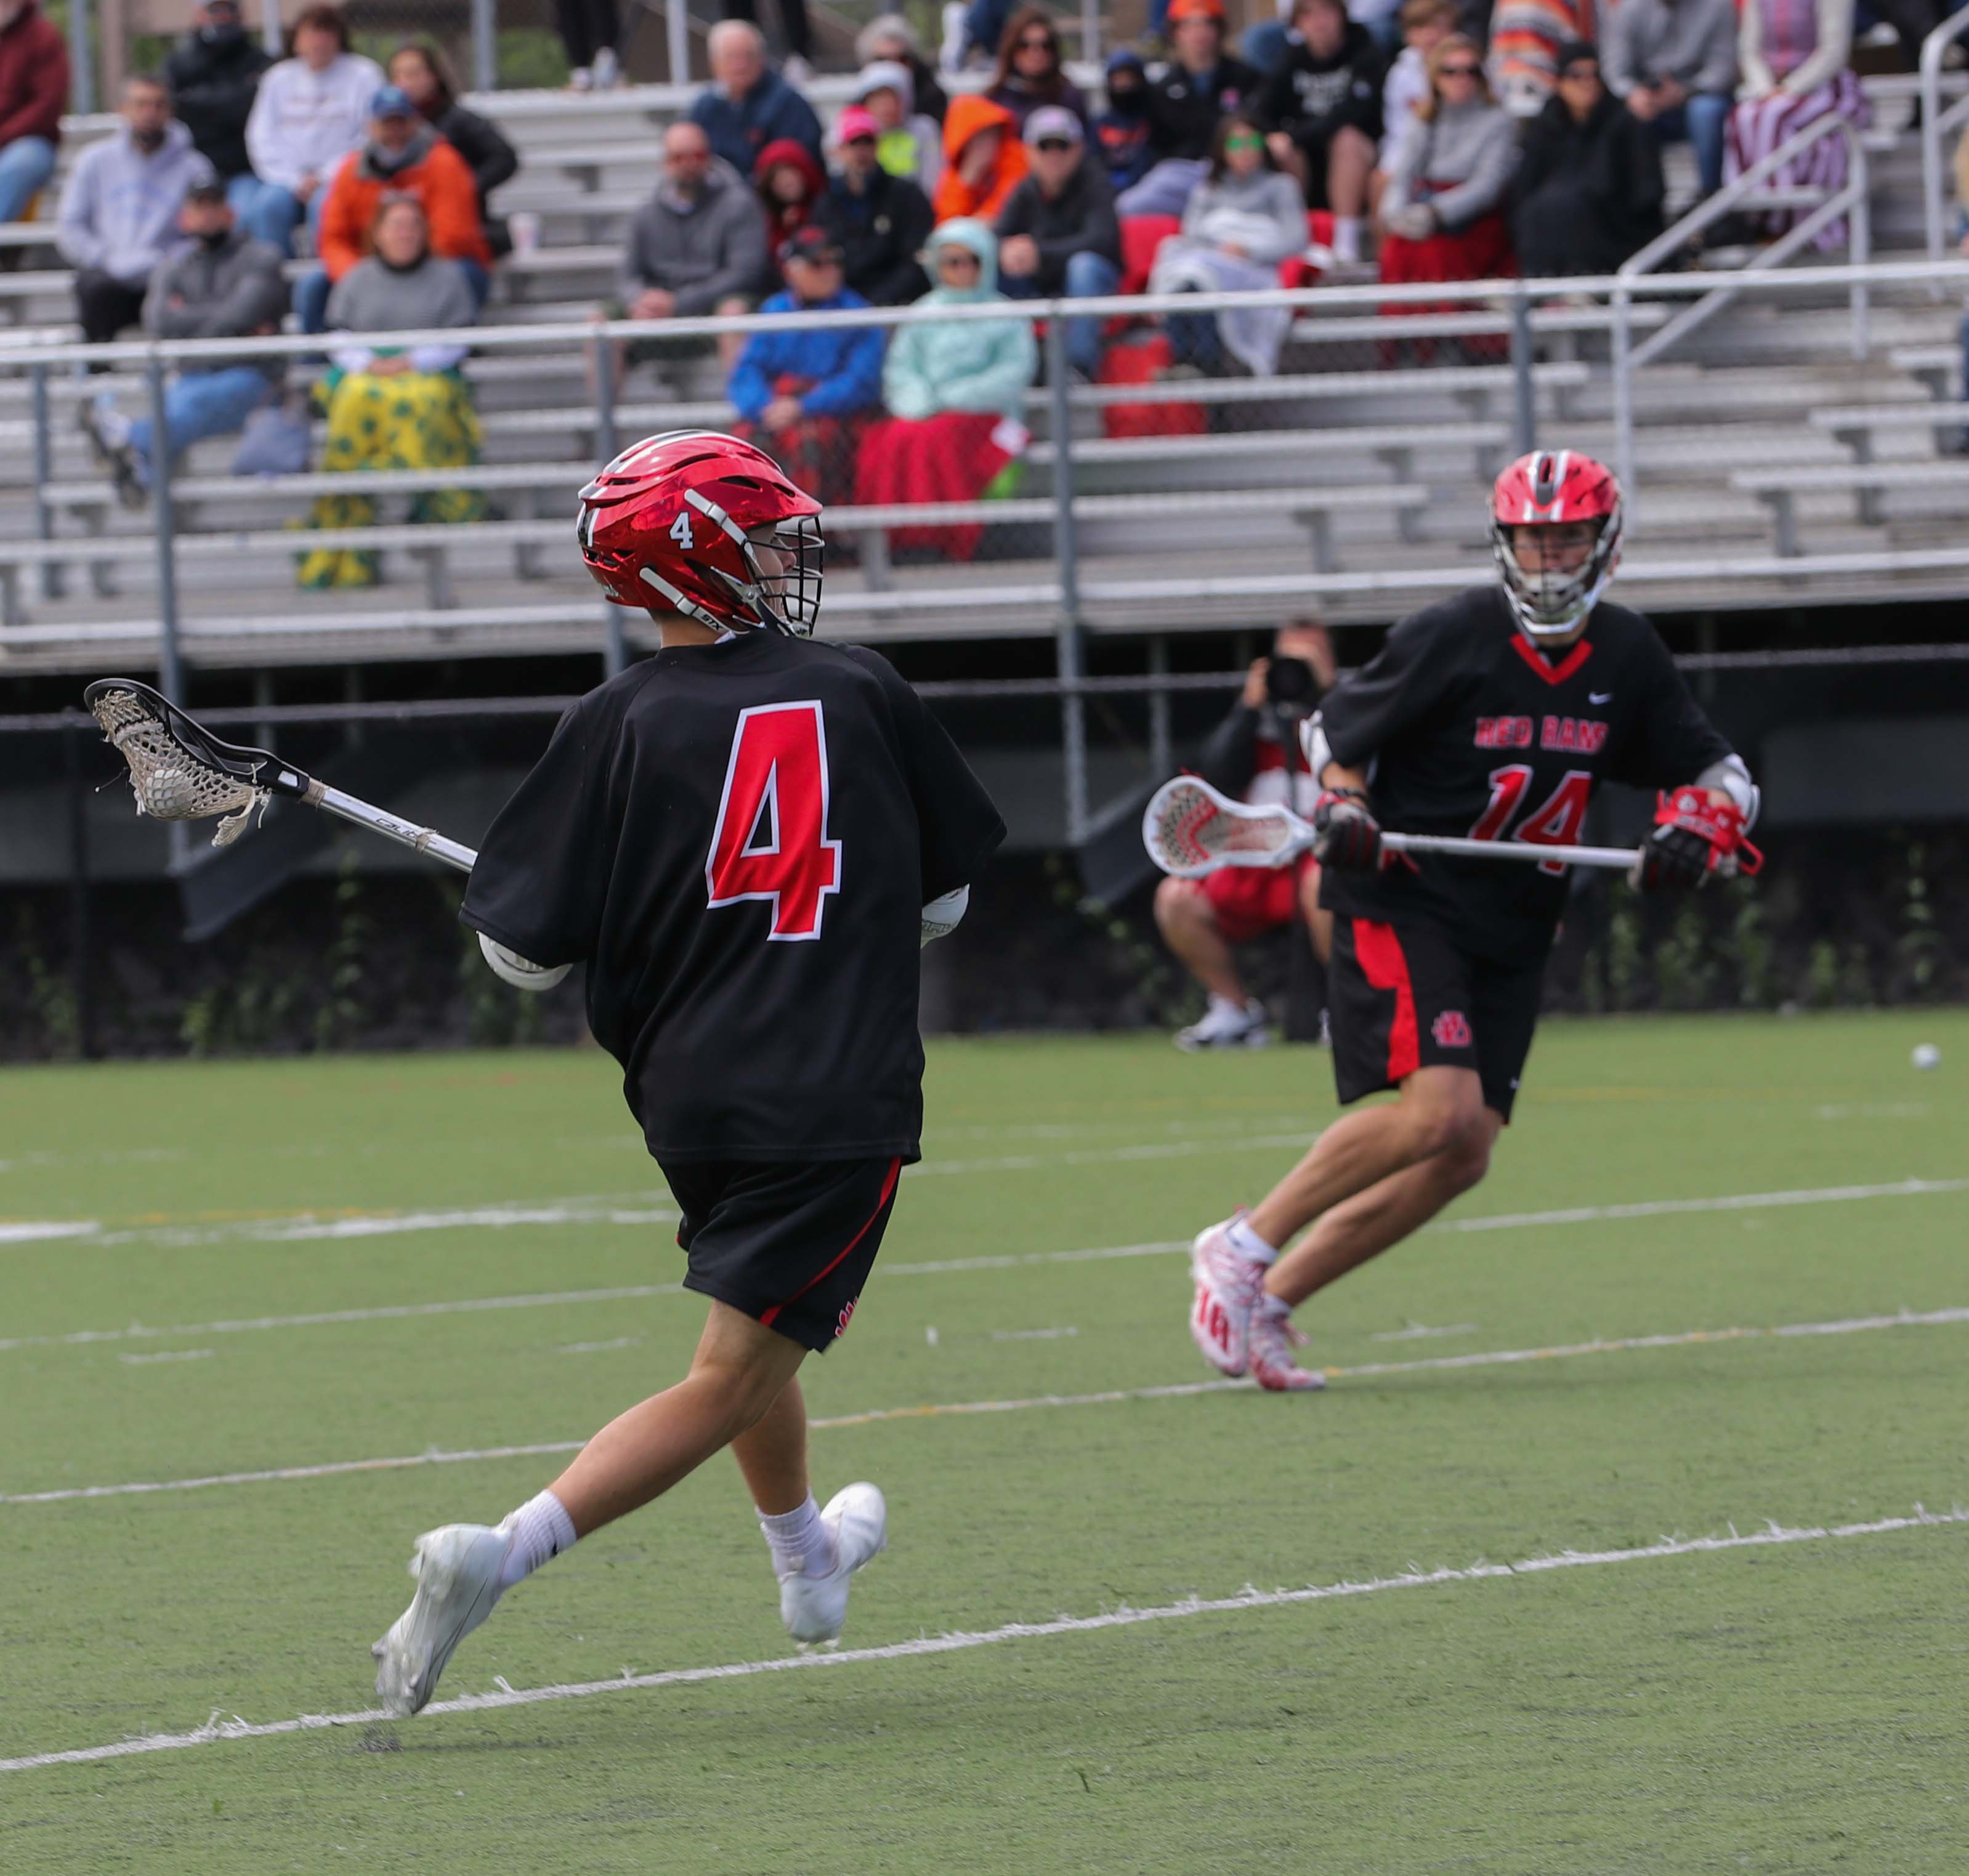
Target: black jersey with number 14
column 1468, row 728
column 737, row 840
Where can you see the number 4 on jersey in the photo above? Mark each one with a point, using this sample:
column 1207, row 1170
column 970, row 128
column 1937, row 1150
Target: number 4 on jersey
column 771, row 840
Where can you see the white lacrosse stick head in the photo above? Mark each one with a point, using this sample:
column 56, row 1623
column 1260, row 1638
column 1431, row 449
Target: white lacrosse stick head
column 1190, row 829
column 172, row 780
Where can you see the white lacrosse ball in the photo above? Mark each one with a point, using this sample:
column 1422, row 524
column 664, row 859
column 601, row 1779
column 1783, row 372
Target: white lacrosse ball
column 1926, row 1055
column 522, row 973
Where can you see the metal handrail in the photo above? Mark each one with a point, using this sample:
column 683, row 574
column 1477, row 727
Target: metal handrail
column 1934, row 122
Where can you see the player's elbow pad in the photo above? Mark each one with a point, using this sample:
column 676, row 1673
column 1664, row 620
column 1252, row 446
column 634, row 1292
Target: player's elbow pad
column 1732, row 777
column 941, row 917
column 1314, row 746
column 522, row 973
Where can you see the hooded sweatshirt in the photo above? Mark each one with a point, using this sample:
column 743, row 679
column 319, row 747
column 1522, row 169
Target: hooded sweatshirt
column 1459, row 164
column 739, row 128
column 915, row 147
column 33, row 77
column 304, row 122
column 214, row 75
column 701, row 251
column 119, row 212
column 1080, row 219
column 1309, row 98
column 967, row 365
column 427, row 167
column 1120, row 134
column 955, row 197
column 781, row 220
column 842, row 365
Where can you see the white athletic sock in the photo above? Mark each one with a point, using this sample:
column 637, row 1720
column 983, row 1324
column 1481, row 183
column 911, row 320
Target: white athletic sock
column 541, row 1529
column 1231, row 1006
column 1347, row 237
column 1247, row 1243
column 1273, row 1308
column 799, row 1539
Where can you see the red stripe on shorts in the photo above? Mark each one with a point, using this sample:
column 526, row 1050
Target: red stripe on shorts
column 888, row 1191
column 1385, row 967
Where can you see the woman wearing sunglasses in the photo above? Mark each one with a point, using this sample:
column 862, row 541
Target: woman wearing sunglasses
column 1030, row 73
column 1442, row 212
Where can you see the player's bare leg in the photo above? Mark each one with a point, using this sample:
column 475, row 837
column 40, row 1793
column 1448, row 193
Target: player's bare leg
column 1438, row 1111
column 1188, row 925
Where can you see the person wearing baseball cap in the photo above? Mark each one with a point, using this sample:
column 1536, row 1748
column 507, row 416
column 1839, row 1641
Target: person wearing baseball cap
column 803, row 395
column 404, row 156
column 1057, row 232
column 879, row 221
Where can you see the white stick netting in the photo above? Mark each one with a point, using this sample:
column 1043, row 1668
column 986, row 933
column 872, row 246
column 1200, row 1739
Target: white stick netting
column 170, row 782
column 1189, row 829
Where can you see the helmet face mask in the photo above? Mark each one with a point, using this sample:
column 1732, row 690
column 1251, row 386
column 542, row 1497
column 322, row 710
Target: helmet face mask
column 695, row 524
column 1555, row 489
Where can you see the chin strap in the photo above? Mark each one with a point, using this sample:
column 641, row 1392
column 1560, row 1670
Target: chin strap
column 1720, row 823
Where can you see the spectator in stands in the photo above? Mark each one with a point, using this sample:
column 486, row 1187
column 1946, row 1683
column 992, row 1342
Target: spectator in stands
column 214, row 76
column 389, row 409
column 1246, row 216
column 1031, row 72
column 1321, row 109
column 119, row 212
column 419, row 71
column 984, row 161
column 802, row 397
column 983, row 29
column 33, row 93
column 956, row 389
column 1792, row 57
column 697, row 246
column 789, row 183
column 590, row 30
column 1057, row 234
column 1253, row 756
column 1121, row 132
column 880, row 222
column 223, row 285
column 891, row 37
column 1425, row 24
column 748, row 105
column 795, row 28
column 908, row 143
column 311, row 110
column 1442, row 210
column 403, row 157
column 1673, row 64
column 1526, row 37
column 1589, row 190
column 1186, row 101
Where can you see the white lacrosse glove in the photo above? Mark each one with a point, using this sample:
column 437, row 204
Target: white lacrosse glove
column 522, row 973
column 941, row 917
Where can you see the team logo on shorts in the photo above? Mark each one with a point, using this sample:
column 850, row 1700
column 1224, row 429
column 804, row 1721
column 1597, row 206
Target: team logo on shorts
column 1451, row 1030
column 841, row 1325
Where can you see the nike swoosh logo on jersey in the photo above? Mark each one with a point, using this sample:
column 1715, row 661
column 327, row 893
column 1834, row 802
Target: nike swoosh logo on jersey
column 1599, row 696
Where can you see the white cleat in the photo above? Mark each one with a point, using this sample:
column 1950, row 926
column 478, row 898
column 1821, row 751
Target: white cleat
column 1227, row 1026
column 814, row 1607
column 457, row 1568
column 1227, row 1290
column 1272, row 1339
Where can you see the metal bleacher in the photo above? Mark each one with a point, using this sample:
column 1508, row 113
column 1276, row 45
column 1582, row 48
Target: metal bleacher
column 1773, row 459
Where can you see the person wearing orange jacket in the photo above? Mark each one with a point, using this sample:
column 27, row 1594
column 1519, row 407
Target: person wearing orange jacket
column 983, row 160
column 404, row 156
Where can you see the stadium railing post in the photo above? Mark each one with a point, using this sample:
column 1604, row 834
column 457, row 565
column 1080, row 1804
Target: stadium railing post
column 1162, row 750
column 1524, row 397
column 1623, row 396
column 485, row 46
column 44, row 520
column 1072, row 705
column 81, row 977
column 164, row 522
column 81, row 56
column 615, row 650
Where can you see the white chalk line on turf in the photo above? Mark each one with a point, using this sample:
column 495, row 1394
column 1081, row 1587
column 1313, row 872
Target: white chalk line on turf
column 944, row 1410
column 1574, row 1215
column 218, row 1730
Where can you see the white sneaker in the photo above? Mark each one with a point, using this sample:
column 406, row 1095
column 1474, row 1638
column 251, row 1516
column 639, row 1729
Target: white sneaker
column 457, row 1569
column 1228, row 1287
column 813, row 1608
column 1272, row 1339
column 1227, row 1026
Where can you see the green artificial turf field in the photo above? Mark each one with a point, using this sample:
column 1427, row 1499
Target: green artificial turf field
column 256, row 1243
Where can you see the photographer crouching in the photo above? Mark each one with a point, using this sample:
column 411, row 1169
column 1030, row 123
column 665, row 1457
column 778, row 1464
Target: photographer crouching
column 1253, row 755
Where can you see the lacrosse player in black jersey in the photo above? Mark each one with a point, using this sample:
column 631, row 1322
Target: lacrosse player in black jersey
column 1494, row 714
column 745, row 839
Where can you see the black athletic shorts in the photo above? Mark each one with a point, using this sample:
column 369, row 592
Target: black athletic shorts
column 1404, row 997
column 789, row 1245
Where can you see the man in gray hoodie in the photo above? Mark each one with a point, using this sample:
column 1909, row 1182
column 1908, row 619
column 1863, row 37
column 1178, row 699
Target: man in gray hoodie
column 222, row 284
column 697, row 246
column 119, row 212
column 1673, row 64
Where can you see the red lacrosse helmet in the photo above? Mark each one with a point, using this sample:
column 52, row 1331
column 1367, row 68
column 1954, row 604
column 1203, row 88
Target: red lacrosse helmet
column 675, row 525
column 1544, row 489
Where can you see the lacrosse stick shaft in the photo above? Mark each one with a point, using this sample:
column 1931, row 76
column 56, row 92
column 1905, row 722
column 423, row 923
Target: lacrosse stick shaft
column 1619, row 859
column 391, row 827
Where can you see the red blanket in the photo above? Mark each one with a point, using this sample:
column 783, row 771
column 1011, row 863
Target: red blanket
column 952, row 456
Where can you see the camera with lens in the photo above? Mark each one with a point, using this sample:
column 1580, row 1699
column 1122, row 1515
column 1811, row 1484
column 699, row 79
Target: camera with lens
column 1291, row 686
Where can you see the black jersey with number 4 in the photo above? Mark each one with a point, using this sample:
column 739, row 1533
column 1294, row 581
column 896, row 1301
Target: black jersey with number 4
column 1468, row 728
column 737, row 840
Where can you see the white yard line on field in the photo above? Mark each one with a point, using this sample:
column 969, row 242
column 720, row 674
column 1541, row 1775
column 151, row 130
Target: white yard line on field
column 944, row 1410
column 217, row 1730
column 1573, row 1215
